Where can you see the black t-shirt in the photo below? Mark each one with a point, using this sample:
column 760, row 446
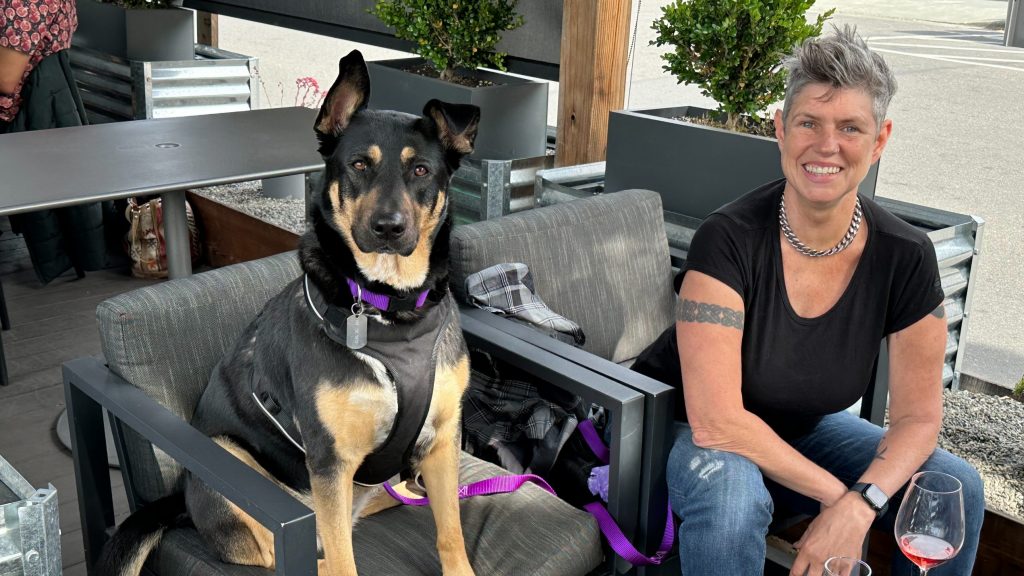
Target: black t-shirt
column 796, row 370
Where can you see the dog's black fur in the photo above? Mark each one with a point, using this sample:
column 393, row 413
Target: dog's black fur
column 383, row 220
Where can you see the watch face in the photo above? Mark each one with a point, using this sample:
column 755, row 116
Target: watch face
column 875, row 496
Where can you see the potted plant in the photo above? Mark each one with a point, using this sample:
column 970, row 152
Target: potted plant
column 141, row 30
column 732, row 49
column 455, row 39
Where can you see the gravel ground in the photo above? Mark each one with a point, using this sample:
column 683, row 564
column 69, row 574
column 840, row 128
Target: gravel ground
column 247, row 197
column 987, row 431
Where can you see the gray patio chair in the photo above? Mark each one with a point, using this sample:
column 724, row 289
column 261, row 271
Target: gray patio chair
column 603, row 262
column 161, row 343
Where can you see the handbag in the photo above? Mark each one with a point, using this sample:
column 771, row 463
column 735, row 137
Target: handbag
column 145, row 242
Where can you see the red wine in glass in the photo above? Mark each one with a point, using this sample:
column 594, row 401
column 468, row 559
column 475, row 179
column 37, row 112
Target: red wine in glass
column 926, row 551
column 930, row 526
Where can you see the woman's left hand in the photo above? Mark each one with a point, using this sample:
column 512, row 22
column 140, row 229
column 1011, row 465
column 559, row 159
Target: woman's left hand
column 839, row 530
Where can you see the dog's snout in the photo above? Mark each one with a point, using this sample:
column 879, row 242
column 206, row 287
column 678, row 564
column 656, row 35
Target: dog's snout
column 389, row 225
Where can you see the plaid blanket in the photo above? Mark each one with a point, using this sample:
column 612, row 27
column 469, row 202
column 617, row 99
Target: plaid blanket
column 507, row 289
column 507, row 417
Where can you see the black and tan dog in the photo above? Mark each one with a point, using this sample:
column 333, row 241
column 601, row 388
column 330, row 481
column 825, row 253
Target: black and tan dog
column 355, row 371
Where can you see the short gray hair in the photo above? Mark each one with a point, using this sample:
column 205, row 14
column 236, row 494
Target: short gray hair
column 841, row 60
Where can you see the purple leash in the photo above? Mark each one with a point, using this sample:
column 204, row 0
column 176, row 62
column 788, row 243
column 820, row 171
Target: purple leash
column 496, row 485
column 512, row 482
column 616, row 539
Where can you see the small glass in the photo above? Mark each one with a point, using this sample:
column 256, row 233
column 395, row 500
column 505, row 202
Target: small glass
column 846, row 566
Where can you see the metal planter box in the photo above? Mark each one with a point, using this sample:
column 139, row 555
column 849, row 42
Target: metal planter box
column 695, row 168
column 957, row 239
column 513, row 110
column 29, row 527
column 485, row 189
column 147, row 34
column 116, row 89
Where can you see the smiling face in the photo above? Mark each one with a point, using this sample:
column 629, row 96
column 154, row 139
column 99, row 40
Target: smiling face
column 828, row 141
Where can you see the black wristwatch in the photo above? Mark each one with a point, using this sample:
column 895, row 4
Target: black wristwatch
column 873, row 495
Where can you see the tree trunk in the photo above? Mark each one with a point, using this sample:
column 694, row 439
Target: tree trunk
column 732, row 121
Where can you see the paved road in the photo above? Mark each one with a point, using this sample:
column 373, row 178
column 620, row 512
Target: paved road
column 958, row 128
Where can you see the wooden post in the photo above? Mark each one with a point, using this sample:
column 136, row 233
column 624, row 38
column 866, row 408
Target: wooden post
column 592, row 76
column 206, row 29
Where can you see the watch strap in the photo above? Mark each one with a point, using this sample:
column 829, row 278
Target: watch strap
column 862, row 489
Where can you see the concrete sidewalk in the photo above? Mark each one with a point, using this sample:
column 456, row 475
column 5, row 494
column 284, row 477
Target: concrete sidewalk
column 957, row 142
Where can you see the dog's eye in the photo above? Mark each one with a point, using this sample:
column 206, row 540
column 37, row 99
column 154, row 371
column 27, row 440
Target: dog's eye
column 359, row 165
column 421, row 171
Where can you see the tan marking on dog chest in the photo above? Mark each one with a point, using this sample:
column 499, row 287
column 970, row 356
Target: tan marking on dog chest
column 351, row 415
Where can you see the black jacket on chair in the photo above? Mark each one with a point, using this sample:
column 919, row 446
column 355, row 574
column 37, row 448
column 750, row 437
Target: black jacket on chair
column 65, row 237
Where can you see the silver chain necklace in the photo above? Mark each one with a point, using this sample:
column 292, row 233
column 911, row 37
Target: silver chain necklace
column 806, row 250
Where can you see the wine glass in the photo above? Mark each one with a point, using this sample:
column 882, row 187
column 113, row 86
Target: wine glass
column 930, row 523
column 846, row 566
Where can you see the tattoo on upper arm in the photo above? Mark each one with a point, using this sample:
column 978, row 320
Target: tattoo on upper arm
column 939, row 312
column 882, row 447
column 690, row 311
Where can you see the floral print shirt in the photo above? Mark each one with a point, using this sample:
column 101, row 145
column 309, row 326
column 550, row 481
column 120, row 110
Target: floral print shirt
column 38, row 28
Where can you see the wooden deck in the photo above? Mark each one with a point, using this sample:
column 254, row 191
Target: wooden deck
column 49, row 325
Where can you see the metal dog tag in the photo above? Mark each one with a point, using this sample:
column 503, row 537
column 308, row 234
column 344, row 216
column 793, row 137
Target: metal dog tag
column 355, row 331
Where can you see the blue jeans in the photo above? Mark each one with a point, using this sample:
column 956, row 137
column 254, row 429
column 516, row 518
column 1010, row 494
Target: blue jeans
column 726, row 505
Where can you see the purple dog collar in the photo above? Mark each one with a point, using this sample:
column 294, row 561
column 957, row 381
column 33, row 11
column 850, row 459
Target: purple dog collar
column 380, row 301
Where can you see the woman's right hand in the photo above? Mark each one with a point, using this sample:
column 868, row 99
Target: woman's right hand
column 839, row 530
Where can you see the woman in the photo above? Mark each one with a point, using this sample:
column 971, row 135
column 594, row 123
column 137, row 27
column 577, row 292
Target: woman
column 37, row 91
column 785, row 298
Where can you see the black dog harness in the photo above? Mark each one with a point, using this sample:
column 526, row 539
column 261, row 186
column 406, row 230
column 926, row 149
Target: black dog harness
column 405, row 350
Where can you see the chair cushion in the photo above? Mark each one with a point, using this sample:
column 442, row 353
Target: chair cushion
column 165, row 339
column 603, row 262
column 528, row 532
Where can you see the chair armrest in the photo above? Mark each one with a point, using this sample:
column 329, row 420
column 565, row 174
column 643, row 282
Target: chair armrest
column 677, row 256
column 90, row 387
column 626, row 409
column 659, row 403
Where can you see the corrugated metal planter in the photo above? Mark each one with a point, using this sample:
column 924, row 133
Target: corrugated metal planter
column 513, row 110
column 958, row 243
column 485, row 189
column 957, row 239
column 29, row 527
column 117, row 89
column 695, row 168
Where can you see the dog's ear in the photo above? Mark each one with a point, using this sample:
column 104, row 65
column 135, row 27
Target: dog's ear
column 348, row 95
column 456, row 124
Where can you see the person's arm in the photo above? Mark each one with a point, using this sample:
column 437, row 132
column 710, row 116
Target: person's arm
column 710, row 331
column 915, row 415
column 12, row 68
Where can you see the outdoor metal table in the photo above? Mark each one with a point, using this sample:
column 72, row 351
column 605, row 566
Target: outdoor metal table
column 68, row 166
